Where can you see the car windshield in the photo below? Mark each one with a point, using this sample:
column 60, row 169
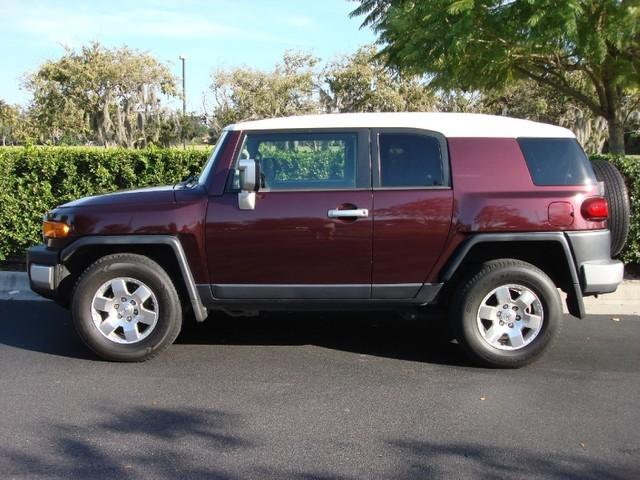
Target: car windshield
column 208, row 167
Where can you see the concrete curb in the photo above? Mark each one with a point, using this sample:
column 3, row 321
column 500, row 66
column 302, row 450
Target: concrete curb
column 15, row 286
column 625, row 301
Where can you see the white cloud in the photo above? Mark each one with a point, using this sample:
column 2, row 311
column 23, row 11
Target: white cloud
column 298, row 21
column 74, row 27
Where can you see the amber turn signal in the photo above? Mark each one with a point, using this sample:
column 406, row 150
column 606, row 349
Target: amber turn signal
column 52, row 229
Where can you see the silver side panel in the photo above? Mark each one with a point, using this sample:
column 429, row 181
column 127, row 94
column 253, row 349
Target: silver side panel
column 42, row 276
column 602, row 277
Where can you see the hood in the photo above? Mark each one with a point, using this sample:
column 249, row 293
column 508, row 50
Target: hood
column 138, row 196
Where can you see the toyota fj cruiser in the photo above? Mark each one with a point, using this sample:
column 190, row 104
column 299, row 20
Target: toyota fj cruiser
column 486, row 217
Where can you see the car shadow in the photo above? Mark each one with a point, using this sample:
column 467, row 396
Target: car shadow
column 383, row 334
column 45, row 327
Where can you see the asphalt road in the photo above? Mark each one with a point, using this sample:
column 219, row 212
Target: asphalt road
column 306, row 396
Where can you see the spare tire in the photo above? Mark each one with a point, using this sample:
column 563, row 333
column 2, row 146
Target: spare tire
column 615, row 191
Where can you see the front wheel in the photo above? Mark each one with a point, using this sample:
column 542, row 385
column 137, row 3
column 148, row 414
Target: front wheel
column 126, row 308
column 506, row 313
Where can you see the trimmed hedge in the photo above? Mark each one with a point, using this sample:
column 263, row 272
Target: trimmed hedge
column 630, row 168
column 35, row 179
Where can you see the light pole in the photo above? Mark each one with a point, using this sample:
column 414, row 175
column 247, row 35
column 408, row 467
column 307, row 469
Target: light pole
column 184, row 89
column 184, row 101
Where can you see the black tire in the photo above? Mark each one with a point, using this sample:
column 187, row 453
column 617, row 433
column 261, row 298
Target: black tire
column 139, row 268
column 479, row 284
column 615, row 191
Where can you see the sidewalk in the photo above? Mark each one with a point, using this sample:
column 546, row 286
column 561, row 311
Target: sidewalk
column 625, row 301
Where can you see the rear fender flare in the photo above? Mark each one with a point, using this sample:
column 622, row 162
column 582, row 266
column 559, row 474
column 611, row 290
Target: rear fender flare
column 575, row 303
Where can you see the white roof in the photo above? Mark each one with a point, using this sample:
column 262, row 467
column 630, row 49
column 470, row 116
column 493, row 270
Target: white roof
column 449, row 124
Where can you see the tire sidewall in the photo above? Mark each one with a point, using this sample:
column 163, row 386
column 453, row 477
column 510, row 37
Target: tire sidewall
column 472, row 338
column 168, row 307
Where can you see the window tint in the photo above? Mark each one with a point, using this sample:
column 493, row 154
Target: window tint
column 557, row 161
column 410, row 160
column 303, row 160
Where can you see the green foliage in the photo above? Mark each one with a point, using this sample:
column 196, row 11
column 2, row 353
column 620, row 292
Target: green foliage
column 35, row 179
column 304, row 164
column 630, row 168
column 363, row 83
column 245, row 93
column 489, row 44
column 108, row 96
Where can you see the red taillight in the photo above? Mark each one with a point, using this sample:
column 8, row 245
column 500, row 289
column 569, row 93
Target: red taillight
column 595, row 209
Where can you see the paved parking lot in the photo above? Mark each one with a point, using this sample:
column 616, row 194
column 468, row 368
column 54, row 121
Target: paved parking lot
column 308, row 396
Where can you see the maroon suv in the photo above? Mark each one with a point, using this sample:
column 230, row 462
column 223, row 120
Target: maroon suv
column 484, row 216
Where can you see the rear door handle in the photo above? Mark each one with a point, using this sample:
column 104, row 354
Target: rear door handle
column 355, row 213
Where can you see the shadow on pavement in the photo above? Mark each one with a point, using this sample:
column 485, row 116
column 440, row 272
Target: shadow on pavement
column 41, row 327
column 199, row 443
column 473, row 460
column 137, row 442
column 384, row 334
column 47, row 328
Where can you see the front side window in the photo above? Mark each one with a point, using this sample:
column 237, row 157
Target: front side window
column 300, row 161
column 410, row 160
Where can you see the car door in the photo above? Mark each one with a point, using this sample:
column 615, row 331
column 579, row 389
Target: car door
column 412, row 211
column 309, row 235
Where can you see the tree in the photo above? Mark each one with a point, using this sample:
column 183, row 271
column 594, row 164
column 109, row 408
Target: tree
column 9, row 123
column 363, row 83
column 489, row 44
column 111, row 95
column 533, row 101
column 245, row 93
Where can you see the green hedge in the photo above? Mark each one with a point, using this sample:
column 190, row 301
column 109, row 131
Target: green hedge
column 630, row 168
column 35, row 179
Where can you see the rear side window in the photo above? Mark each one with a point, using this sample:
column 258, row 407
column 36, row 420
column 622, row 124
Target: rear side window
column 557, row 161
column 410, row 160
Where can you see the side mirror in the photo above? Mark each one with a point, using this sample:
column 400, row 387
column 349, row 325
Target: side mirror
column 249, row 171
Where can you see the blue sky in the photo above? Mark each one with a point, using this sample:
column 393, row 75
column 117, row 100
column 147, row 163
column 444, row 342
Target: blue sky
column 211, row 34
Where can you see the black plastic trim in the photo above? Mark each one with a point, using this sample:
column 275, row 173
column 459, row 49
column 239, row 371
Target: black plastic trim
column 268, row 297
column 575, row 304
column 199, row 310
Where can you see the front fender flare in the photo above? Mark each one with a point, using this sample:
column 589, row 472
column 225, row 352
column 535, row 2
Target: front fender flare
column 199, row 310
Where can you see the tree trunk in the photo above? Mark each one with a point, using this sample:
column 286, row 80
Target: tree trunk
column 616, row 136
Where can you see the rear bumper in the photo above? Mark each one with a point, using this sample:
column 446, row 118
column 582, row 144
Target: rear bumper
column 598, row 272
column 602, row 277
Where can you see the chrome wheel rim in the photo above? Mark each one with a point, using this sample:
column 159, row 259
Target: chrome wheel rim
column 510, row 317
column 124, row 310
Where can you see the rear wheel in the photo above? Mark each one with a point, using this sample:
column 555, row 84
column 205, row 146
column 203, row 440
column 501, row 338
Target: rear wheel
column 506, row 313
column 125, row 308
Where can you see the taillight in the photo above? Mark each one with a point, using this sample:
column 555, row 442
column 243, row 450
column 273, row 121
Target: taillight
column 595, row 209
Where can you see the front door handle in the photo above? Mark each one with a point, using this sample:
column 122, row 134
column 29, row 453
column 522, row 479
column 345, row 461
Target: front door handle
column 354, row 213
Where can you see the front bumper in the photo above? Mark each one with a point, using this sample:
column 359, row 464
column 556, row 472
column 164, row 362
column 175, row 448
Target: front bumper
column 598, row 272
column 45, row 271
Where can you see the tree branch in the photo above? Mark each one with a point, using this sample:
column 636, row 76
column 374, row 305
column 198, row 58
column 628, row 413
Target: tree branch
column 564, row 87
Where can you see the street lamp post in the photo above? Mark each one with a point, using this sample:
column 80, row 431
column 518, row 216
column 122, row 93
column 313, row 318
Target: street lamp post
column 184, row 101
column 184, row 89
